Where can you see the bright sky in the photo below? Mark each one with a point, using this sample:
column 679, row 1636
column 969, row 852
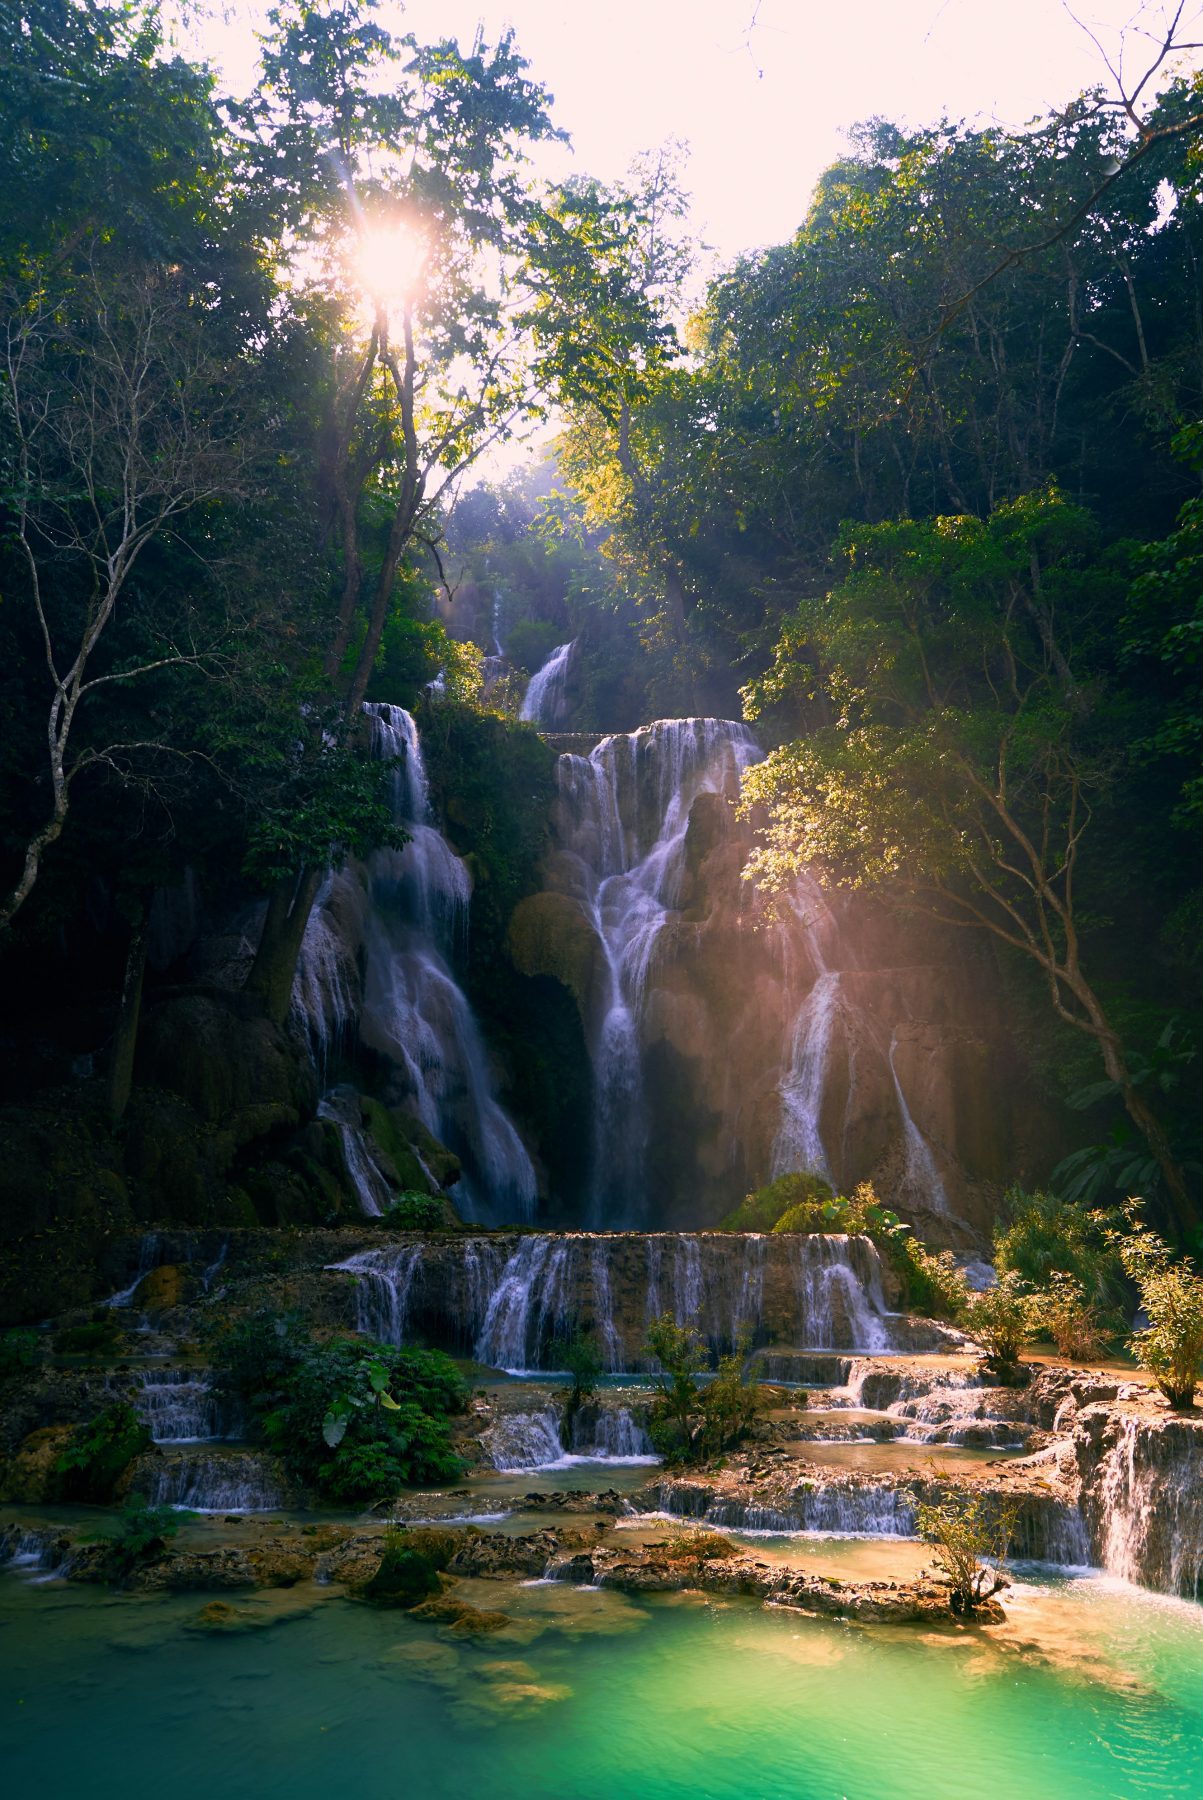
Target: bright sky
column 763, row 108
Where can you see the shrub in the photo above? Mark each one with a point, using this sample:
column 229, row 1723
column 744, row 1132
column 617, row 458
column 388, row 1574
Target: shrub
column 101, row 1337
column 141, row 1533
column 1075, row 1326
column 1047, row 1235
column 411, row 1211
column 407, row 1574
column 761, row 1210
column 932, row 1283
column 1171, row 1346
column 577, row 1354
column 964, row 1531
column 697, row 1546
column 1000, row 1319
column 352, row 1419
column 730, row 1404
column 681, row 1355
column 18, row 1351
column 97, row 1454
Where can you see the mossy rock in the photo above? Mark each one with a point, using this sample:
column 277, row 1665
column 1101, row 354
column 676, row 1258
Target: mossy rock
column 405, row 1145
column 405, row 1578
column 549, row 935
column 223, row 1058
column 30, row 1476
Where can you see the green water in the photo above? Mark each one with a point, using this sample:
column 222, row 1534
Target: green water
column 1091, row 1691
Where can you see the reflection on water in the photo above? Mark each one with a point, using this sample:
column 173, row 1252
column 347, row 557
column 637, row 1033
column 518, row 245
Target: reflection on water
column 1090, row 1690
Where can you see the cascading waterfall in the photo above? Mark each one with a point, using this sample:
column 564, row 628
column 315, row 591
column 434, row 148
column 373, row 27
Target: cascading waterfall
column 212, row 1481
column 530, row 1305
column 543, row 703
column 799, row 1141
column 411, row 909
column 835, row 1300
column 179, row 1406
column 148, row 1259
column 624, row 813
column 534, row 1440
column 383, row 1282
column 341, row 1107
column 921, row 1171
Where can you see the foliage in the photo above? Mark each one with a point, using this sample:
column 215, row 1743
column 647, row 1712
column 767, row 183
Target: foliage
column 408, row 1573
column 933, row 1285
column 578, row 1355
column 411, row 1211
column 967, row 1530
column 98, row 1453
column 681, row 1355
column 1170, row 1347
column 730, row 1403
column 761, row 1210
column 100, row 1337
column 1046, row 1234
column 141, row 1533
column 353, row 1420
column 1000, row 1319
column 697, row 1546
column 1068, row 1316
column 18, row 1352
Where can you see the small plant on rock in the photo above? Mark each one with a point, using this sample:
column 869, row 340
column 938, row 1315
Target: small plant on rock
column 682, row 1356
column 577, row 1356
column 1076, row 1327
column 730, row 1405
column 141, row 1534
column 1000, row 1320
column 97, row 1454
column 18, row 1351
column 970, row 1536
column 412, row 1211
column 1171, row 1293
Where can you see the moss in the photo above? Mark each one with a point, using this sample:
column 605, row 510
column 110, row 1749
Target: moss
column 405, row 1577
column 549, row 935
column 767, row 1208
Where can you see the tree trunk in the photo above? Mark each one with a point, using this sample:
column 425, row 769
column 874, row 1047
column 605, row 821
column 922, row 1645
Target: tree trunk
column 129, row 1013
column 288, row 908
column 1181, row 1208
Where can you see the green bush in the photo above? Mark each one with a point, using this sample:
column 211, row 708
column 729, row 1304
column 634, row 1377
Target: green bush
column 411, row 1211
column 1069, row 1317
column 1000, row 1320
column 141, row 1533
column 1171, row 1292
column 932, row 1284
column 1046, row 1236
column 101, row 1337
column 97, row 1454
column 18, row 1351
column 761, row 1210
column 352, row 1419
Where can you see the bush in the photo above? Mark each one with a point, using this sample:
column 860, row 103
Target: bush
column 681, row 1355
column 964, row 1531
column 1067, row 1316
column 97, row 1454
column 697, row 1546
column 1047, row 1236
column 932, row 1283
column 411, row 1211
column 577, row 1355
column 407, row 1575
column 760, row 1211
column 102, row 1337
column 18, row 1352
column 141, row 1534
column 352, row 1419
column 1171, row 1347
column 1000, row 1319
column 730, row 1405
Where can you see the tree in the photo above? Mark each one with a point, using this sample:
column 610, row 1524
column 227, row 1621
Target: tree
column 118, row 421
column 1170, row 1347
column 681, row 1355
column 959, row 755
column 1000, row 1319
column 966, row 1531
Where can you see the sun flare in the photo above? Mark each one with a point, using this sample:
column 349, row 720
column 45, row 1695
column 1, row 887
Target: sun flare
column 389, row 262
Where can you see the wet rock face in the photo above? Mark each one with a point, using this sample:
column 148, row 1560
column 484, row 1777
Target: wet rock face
column 831, row 1037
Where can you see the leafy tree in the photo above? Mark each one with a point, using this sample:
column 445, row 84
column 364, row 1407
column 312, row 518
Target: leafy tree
column 966, row 1532
column 578, row 1356
column 1170, row 1347
column 681, row 1356
column 1000, row 1319
column 964, row 757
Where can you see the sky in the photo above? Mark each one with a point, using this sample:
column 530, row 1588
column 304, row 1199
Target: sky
column 762, row 93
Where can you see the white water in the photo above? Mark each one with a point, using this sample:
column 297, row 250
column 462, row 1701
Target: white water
column 921, row 1171
column 148, row 1259
column 179, row 1406
column 534, row 1440
column 623, row 814
column 543, row 703
column 839, row 1309
column 341, row 1106
column 212, row 1481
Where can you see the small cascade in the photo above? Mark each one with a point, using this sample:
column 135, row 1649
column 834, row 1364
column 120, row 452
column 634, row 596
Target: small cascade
column 605, row 1330
column 212, row 1481
column 210, row 1274
column 921, row 1171
column 413, row 1008
column 623, row 817
column 799, row 1141
column 179, row 1406
column 839, row 1507
column 610, row 1434
column 149, row 1253
column 840, row 1309
column 341, row 1106
column 530, row 1306
column 383, row 1282
column 543, row 703
column 524, row 1441
column 325, row 995
column 1142, row 1506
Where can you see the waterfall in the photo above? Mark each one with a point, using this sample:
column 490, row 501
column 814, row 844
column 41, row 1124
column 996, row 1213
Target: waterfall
column 839, row 1310
column 524, row 1441
column 543, row 703
column 921, row 1171
column 383, row 1282
column 414, row 1010
column 610, row 1346
column 610, row 1434
column 624, row 813
column 341, row 1107
column 530, row 1305
column 148, row 1259
column 835, row 1508
column 325, row 990
column 212, row 1481
column 179, row 1406
column 1142, row 1504
column 799, row 1141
